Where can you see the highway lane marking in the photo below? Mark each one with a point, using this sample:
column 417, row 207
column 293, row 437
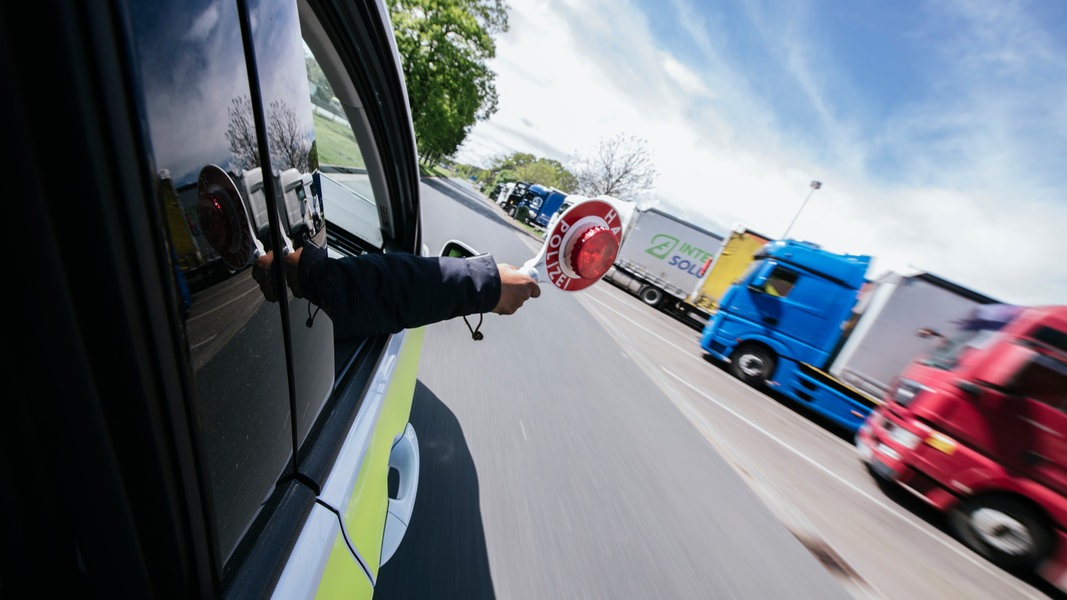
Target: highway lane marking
column 833, row 475
column 782, row 443
column 523, row 428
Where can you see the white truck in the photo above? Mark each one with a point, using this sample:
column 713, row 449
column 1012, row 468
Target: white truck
column 882, row 339
column 661, row 259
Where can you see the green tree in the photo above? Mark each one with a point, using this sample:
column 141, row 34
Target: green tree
column 527, row 167
column 513, row 161
column 505, row 176
column 445, row 45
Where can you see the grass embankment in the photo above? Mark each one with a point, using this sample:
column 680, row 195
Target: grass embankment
column 336, row 146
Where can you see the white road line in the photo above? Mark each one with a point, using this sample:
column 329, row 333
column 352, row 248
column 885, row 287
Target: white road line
column 690, row 353
column 844, row 482
column 641, row 327
column 766, row 433
column 523, row 428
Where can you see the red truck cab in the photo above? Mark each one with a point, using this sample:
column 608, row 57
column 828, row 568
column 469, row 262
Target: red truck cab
column 978, row 430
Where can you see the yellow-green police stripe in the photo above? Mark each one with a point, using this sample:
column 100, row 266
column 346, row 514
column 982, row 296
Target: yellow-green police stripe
column 364, row 514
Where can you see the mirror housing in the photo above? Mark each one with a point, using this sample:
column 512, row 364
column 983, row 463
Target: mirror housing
column 459, row 249
column 972, row 389
column 760, row 276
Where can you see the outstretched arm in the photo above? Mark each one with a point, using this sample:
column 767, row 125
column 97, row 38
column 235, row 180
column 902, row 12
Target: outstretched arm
column 373, row 294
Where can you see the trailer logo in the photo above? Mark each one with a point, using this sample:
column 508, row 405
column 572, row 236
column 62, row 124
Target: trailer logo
column 686, row 257
column 662, row 245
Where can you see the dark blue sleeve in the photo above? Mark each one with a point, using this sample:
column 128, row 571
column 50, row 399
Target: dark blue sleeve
column 372, row 294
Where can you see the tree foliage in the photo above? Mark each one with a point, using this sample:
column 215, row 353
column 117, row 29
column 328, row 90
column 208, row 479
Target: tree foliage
column 520, row 166
column 621, row 167
column 444, row 45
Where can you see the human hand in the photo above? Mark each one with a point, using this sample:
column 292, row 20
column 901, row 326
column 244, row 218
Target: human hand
column 292, row 272
column 516, row 288
column 261, row 274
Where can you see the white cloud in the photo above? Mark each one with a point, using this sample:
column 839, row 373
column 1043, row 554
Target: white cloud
column 955, row 205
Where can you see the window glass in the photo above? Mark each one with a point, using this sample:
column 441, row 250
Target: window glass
column 781, row 282
column 1043, row 379
column 197, row 108
column 293, row 141
column 342, row 175
column 948, row 352
column 1053, row 337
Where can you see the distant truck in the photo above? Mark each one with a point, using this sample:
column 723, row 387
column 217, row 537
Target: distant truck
column 807, row 323
column 538, row 205
column 977, row 430
column 661, row 258
column 512, row 195
column 737, row 252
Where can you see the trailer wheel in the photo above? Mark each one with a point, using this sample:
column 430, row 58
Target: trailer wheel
column 651, row 295
column 1004, row 530
column 752, row 364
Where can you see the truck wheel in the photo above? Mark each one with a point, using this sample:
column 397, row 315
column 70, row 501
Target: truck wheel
column 651, row 295
column 752, row 364
column 511, row 212
column 1004, row 530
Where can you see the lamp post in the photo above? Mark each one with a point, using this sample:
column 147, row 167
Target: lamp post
column 814, row 186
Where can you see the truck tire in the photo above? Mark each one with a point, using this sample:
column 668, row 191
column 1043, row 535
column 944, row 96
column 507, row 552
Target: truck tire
column 1004, row 530
column 651, row 295
column 752, row 364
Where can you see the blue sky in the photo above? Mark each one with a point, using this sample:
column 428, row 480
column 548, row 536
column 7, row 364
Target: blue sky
column 938, row 129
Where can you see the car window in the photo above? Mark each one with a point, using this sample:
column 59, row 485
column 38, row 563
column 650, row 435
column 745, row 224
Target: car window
column 780, row 282
column 1043, row 379
column 347, row 193
column 198, row 110
column 255, row 395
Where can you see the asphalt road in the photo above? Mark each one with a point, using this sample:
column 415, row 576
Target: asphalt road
column 586, row 449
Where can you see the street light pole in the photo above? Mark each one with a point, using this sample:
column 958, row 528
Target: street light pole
column 814, row 186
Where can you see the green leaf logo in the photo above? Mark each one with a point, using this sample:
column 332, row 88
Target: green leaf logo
column 662, row 245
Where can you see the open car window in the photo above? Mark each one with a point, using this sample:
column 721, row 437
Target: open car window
column 347, row 192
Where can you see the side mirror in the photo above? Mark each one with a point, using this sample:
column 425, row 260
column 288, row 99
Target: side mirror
column 970, row 388
column 926, row 333
column 458, row 249
column 759, row 278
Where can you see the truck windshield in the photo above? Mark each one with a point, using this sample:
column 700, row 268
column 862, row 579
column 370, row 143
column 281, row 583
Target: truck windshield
column 975, row 331
column 947, row 354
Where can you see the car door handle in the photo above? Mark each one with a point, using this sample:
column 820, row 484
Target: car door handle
column 770, row 320
column 404, row 457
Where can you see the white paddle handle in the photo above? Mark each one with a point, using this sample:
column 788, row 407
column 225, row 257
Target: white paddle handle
column 531, row 267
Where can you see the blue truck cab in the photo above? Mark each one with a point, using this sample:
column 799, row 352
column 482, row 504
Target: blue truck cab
column 779, row 325
column 538, row 205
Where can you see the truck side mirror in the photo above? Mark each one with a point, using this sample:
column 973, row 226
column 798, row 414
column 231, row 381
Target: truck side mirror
column 970, row 388
column 759, row 278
